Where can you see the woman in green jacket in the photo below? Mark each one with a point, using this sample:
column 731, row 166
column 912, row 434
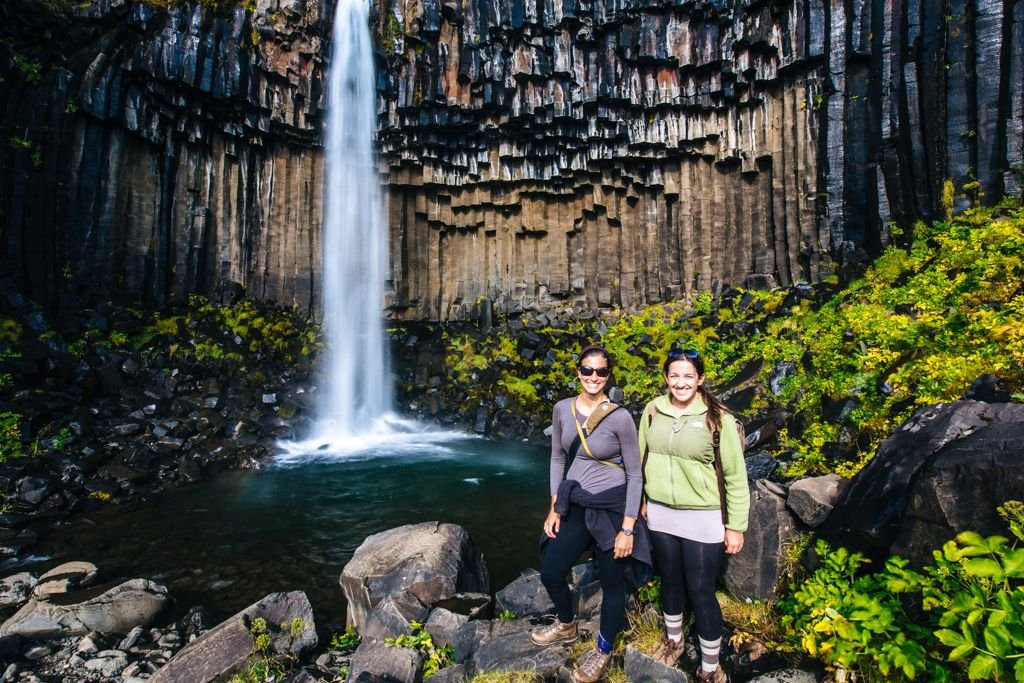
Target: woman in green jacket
column 690, row 524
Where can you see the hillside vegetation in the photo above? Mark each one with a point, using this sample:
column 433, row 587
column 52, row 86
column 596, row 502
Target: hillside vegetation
column 836, row 367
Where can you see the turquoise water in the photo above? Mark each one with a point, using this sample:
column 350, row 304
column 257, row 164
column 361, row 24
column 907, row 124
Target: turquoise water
column 226, row 542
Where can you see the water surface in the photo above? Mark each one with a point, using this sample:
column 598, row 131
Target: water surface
column 226, row 542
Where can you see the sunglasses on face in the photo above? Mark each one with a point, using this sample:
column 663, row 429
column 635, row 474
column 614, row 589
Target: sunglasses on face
column 587, row 371
column 688, row 354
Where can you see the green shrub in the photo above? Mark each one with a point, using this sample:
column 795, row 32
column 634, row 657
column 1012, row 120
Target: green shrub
column 419, row 639
column 10, row 436
column 971, row 599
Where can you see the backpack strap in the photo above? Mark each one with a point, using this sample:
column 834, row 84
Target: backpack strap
column 716, row 438
column 647, row 451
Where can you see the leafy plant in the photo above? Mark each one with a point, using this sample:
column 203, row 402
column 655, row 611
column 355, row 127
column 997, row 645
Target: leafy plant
column 347, row 640
column 972, row 599
column 507, row 615
column 10, row 436
column 419, row 639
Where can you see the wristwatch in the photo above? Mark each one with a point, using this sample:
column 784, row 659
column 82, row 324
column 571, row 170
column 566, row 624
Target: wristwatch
column 627, row 532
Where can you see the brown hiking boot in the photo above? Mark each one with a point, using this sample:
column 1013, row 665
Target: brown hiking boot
column 716, row 676
column 592, row 666
column 555, row 632
column 669, row 652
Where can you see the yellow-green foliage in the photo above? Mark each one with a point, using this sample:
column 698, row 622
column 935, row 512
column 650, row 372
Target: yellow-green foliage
column 10, row 436
column 917, row 328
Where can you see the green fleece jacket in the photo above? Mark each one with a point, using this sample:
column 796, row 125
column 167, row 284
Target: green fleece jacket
column 680, row 469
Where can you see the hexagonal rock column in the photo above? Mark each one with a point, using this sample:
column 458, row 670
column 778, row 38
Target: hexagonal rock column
column 432, row 561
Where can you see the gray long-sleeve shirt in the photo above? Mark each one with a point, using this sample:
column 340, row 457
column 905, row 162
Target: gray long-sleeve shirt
column 614, row 437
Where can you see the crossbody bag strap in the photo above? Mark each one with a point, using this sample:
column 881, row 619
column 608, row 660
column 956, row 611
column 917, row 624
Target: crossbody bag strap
column 647, row 451
column 583, row 439
column 716, row 438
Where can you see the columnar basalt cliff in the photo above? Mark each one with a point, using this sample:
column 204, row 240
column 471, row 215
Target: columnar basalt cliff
column 589, row 153
column 622, row 152
column 166, row 152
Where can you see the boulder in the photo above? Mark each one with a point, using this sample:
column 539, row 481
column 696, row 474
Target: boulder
column 16, row 589
column 960, row 489
column 392, row 615
column 813, row 498
column 227, row 647
column 65, row 578
column 374, row 661
column 432, row 561
column 104, row 609
column 524, row 597
column 442, row 626
column 641, row 668
column 505, row 645
column 755, row 571
column 869, row 517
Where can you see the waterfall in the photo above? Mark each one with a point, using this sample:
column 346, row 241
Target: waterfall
column 356, row 392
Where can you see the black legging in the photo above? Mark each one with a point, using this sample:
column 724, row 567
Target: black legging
column 688, row 571
column 561, row 553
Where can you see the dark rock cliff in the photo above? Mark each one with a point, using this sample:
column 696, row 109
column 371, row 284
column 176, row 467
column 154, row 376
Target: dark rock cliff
column 538, row 153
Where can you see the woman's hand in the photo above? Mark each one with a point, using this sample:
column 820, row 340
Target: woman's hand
column 733, row 542
column 623, row 546
column 551, row 524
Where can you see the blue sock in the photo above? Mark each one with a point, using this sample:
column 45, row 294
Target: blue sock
column 603, row 645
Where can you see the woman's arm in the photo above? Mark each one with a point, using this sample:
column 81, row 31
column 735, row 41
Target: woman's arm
column 630, row 449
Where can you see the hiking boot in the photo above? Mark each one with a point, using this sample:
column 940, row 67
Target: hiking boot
column 592, row 666
column 669, row 652
column 555, row 632
column 716, row 676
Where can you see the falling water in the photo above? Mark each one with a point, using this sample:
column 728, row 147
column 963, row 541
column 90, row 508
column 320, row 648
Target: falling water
column 356, row 386
column 354, row 411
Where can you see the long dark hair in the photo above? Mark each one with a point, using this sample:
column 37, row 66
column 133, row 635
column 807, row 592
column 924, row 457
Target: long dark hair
column 715, row 406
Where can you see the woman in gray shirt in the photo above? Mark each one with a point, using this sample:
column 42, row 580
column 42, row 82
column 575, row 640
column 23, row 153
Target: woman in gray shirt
column 596, row 505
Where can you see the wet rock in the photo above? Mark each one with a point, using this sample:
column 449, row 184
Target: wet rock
column 432, row 561
column 115, row 609
column 228, row 645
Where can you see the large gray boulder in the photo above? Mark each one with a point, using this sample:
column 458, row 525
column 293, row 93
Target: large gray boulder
column 755, row 571
column 870, row 517
column 960, row 489
column 227, row 647
column 432, row 561
column 104, row 609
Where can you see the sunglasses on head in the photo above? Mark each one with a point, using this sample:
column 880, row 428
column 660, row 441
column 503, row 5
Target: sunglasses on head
column 688, row 354
column 587, row 371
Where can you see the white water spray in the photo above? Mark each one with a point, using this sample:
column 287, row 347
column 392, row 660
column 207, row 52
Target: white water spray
column 354, row 411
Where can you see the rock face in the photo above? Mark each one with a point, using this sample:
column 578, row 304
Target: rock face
column 600, row 154
column 431, row 562
column 941, row 473
column 227, row 646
